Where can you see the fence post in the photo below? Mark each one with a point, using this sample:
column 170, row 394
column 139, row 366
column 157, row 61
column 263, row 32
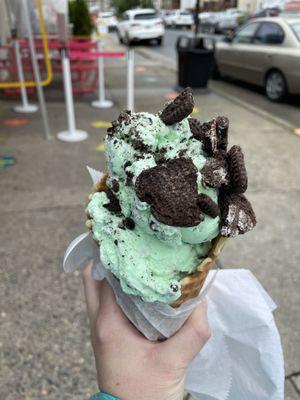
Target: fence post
column 101, row 102
column 72, row 134
column 25, row 107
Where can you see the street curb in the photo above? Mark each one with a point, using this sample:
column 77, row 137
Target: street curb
column 171, row 65
column 253, row 109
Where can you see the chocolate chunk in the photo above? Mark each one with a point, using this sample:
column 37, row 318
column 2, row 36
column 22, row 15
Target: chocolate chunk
column 209, row 136
column 214, row 173
column 237, row 215
column 153, row 226
column 222, row 132
column 171, row 191
column 129, row 178
column 127, row 164
column 237, row 170
column 182, row 152
column 124, row 116
column 116, row 242
column 208, row 206
column 139, row 145
column 179, row 108
column 115, row 186
column 113, row 205
column 174, row 287
column 127, row 223
column 195, row 127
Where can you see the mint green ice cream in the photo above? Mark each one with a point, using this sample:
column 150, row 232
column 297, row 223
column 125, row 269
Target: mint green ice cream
column 156, row 220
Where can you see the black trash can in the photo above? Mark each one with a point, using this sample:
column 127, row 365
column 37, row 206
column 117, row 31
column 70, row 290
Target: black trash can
column 195, row 63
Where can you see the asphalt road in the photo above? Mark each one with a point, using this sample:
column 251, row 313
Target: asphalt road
column 288, row 111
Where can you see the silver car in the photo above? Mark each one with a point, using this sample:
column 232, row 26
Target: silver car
column 265, row 52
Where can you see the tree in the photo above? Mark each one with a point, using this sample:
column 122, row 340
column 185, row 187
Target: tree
column 80, row 17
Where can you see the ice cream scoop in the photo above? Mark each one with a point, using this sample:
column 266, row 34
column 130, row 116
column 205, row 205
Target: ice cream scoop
column 172, row 188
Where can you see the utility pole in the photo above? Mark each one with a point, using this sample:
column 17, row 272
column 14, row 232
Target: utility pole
column 197, row 10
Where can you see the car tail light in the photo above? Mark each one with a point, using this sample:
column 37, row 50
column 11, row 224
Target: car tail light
column 135, row 25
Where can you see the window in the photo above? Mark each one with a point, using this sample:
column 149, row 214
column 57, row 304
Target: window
column 269, row 33
column 296, row 29
column 146, row 16
column 125, row 17
column 246, row 35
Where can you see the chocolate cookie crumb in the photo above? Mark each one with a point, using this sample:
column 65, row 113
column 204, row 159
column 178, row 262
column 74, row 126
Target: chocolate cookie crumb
column 214, row 173
column 171, row 191
column 174, row 287
column 237, row 170
column 222, row 132
column 116, row 242
column 113, row 205
column 237, row 215
column 195, row 127
column 209, row 136
column 208, row 206
column 181, row 107
column 127, row 223
column 115, row 186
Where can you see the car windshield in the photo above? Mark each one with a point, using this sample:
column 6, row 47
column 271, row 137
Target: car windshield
column 146, row 16
column 296, row 29
column 185, row 13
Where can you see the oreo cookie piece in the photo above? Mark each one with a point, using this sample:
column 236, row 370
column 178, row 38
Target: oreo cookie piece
column 237, row 170
column 208, row 206
column 195, row 127
column 113, row 205
column 209, row 137
column 214, row 173
column 127, row 223
column 180, row 108
column 171, row 191
column 115, row 186
column 222, row 132
column 237, row 215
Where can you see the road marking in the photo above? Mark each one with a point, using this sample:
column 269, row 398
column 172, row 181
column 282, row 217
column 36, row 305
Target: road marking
column 297, row 131
column 140, row 69
column 11, row 122
column 101, row 147
column 196, row 110
column 7, row 161
column 101, row 124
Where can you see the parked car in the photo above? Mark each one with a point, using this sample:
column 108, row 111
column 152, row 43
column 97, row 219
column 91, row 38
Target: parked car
column 179, row 18
column 110, row 20
column 265, row 52
column 209, row 22
column 140, row 24
column 267, row 12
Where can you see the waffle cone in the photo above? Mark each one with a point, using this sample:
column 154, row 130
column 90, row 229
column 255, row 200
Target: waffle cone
column 192, row 283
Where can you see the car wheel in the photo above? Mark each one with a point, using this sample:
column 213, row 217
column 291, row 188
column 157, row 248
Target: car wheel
column 159, row 41
column 121, row 41
column 276, row 87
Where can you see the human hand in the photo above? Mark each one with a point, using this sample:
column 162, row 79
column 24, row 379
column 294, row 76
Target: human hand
column 128, row 365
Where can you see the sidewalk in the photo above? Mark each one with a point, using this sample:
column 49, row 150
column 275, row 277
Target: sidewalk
column 44, row 340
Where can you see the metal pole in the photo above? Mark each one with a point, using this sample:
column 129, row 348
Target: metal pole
column 102, row 102
column 72, row 134
column 130, row 79
column 36, row 71
column 25, row 107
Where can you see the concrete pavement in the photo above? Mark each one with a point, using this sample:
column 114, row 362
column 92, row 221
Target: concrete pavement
column 44, row 340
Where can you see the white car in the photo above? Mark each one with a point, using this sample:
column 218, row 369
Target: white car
column 140, row 24
column 110, row 19
column 179, row 18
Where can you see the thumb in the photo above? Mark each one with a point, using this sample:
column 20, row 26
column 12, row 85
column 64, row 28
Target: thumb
column 191, row 337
